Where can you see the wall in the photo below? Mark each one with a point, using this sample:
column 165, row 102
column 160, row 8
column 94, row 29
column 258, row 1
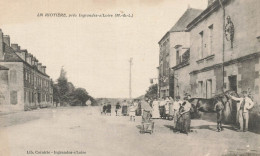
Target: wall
column 242, row 60
column 246, row 20
column 178, row 38
column 15, row 78
column 4, row 88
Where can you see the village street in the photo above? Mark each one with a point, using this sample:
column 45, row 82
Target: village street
column 83, row 131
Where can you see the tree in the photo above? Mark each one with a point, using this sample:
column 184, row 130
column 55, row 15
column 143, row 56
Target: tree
column 79, row 97
column 151, row 93
column 64, row 92
column 63, row 87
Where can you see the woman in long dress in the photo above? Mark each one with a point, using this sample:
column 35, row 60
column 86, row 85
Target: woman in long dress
column 155, row 111
column 185, row 120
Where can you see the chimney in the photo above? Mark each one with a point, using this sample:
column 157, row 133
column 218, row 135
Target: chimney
column 7, row 40
column 36, row 62
column 1, row 45
column 39, row 66
column 22, row 53
column 33, row 61
column 44, row 69
column 29, row 58
column 15, row 47
column 210, row 2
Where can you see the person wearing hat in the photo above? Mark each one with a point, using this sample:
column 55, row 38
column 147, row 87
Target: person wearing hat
column 146, row 111
column 243, row 106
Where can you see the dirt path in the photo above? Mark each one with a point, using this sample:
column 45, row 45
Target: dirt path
column 83, row 130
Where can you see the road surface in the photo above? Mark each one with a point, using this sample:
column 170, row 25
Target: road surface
column 83, row 131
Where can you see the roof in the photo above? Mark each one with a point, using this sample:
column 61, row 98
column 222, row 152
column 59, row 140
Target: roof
column 207, row 12
column 3, row 68
column 10, row 56
column 189, row 15
column 185, row 19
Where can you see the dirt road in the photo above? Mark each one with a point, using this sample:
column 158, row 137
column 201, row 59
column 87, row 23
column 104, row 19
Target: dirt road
column 83, row 131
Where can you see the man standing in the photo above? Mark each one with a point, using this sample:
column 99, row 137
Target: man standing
column 219, row 109
column 243, row 106
column 117, row 108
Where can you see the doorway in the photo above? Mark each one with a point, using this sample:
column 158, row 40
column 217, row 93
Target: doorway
column 233, row 86
column 233, row 82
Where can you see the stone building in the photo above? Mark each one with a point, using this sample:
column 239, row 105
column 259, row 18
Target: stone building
column 24, row 82
column 176, row 38
column 224, row 54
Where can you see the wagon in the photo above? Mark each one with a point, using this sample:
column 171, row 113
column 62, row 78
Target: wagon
column 147, row 127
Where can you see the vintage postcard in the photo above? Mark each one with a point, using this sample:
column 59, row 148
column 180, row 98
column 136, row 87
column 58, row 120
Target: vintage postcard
column 129, row 77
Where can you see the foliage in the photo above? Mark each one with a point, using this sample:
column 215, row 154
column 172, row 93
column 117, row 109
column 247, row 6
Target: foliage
column 152, row 92
column 65, row 93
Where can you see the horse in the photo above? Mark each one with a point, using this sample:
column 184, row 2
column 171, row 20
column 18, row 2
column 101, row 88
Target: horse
column 208, row 105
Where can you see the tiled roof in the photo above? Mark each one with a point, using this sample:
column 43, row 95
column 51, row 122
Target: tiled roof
column 3, row 68
column 10, row 55
column 189, row 15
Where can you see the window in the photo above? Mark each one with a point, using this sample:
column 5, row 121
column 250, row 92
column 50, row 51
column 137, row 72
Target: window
column 177, row 57
column 13, row 76
column 209, row 88
column 210, row 39
column 13, row 96
column 200, row 88
column 201, row 45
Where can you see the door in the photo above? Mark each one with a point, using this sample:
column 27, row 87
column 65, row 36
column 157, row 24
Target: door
column 233, row 86
column 233, row 83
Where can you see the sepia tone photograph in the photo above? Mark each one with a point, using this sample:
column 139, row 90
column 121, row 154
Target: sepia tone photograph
column 129, row 78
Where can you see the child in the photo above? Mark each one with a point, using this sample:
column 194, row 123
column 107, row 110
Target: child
column 132, row 112
column 219, row 109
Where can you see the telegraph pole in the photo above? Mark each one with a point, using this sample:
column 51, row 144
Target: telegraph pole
column 130, row 78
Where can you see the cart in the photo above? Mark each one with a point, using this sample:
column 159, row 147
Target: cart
column 147, row 127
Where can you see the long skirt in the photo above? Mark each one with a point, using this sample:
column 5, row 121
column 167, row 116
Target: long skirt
column 124, row 110
column 183, row 122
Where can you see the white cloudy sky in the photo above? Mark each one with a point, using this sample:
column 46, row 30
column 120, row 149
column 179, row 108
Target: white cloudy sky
column 95, row 51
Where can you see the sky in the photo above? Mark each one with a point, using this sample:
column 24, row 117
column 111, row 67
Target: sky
column 95, row 51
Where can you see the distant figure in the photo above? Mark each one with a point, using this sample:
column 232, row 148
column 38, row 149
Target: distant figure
column 88, row 103
column 244, row 104
column 118, row 106
column 219, row 107
column 108, row 111
column 132, row 109
column 155, row 111
column 167, row 107
column 124, row 108
column 105, row 108
column 162, row 107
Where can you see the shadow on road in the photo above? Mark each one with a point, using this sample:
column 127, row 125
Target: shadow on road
column 170, row 127
column 139, row 127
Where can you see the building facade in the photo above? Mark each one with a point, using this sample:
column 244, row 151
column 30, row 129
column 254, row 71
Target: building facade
column 26, row 84
column 176, row 38
column 223, row 54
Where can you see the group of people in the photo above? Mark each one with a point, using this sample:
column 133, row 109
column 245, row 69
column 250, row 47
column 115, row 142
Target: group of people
column 175, row 109
column 106, row 108
column 180, row 111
